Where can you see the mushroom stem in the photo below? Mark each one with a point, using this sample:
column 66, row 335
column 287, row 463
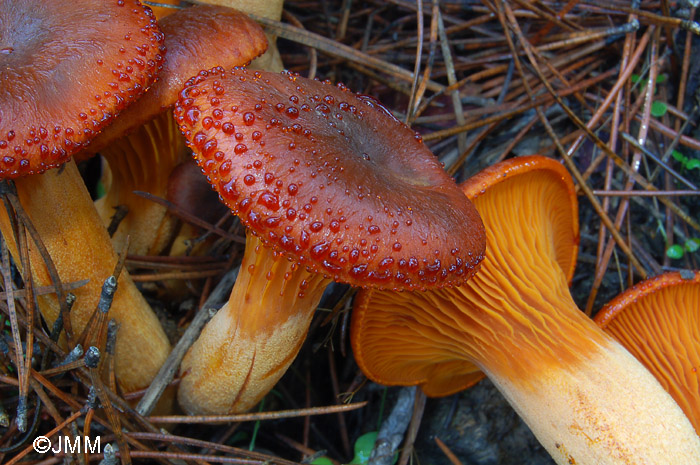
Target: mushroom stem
column 149, row 226
column 604, row 409
column 249, row 344
column 60, row 207
column 585, row 398
column 658, row 321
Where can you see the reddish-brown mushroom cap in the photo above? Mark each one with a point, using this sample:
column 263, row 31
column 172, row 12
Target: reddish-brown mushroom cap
column 197, row 37
column 67, row 68
column 75, row 77
column 143, row 145
column 658, row 321
column 411, row 353
column 268, row 9
column 330, row 178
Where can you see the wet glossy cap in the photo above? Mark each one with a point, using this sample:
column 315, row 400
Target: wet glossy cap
column 197, row 37
column 330, row 178
column 658, row 321
column 66, row 69
column 435, row 338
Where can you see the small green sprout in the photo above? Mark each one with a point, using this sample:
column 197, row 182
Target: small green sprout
column 677, row 251
column 322, row 460
column 686, row 162
column 363, row 448
column 658, row 109
column 636, row 78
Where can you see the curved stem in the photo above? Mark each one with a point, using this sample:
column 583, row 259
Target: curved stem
column 63, row 214
column 249, row 344
column 586, row 399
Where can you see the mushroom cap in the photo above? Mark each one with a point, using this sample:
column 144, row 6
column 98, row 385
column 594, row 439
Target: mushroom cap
column 658, row 321
column 197, row 37
column 566, row 227
column 162, row 11
column 431, row 338
column 394, row 348
column 331, row 179
column 66, row 69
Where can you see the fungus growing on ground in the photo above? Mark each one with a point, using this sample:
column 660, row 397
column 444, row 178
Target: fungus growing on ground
column 658, row 321
column 586, row 399
column 66, row 69
column 331, row 187
column 144, row 146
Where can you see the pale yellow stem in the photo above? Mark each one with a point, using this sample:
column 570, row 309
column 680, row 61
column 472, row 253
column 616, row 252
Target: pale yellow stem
column 63, row 214
column 586, row 399
column 606, row 409
column 249, row 344
column 658, row 321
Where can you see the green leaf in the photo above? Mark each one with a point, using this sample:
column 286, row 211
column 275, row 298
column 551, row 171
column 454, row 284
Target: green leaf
column 679, row 157
column 322, row 460
column 363, row 447
column 693, row 163
column 658, row 109
column 675, row 252
column 661, row 78
column 634, row 78
column 692, row 245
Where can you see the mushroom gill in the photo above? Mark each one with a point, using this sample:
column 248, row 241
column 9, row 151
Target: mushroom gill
column 585, row 398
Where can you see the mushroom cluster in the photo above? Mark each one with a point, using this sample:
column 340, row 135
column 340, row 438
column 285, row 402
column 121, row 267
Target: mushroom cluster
column 583, row 395
column 66, row 70
column 331, row 187
column 143, row 147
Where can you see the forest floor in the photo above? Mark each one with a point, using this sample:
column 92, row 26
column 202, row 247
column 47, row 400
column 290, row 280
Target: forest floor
column 626, row 75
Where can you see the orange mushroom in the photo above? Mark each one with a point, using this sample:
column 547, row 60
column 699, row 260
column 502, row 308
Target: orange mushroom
column 330, row 186
column 163, row 8
column 143, row 145
column 584, row 397
column 66, row 69
column 268, row 9
column 658, row 321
